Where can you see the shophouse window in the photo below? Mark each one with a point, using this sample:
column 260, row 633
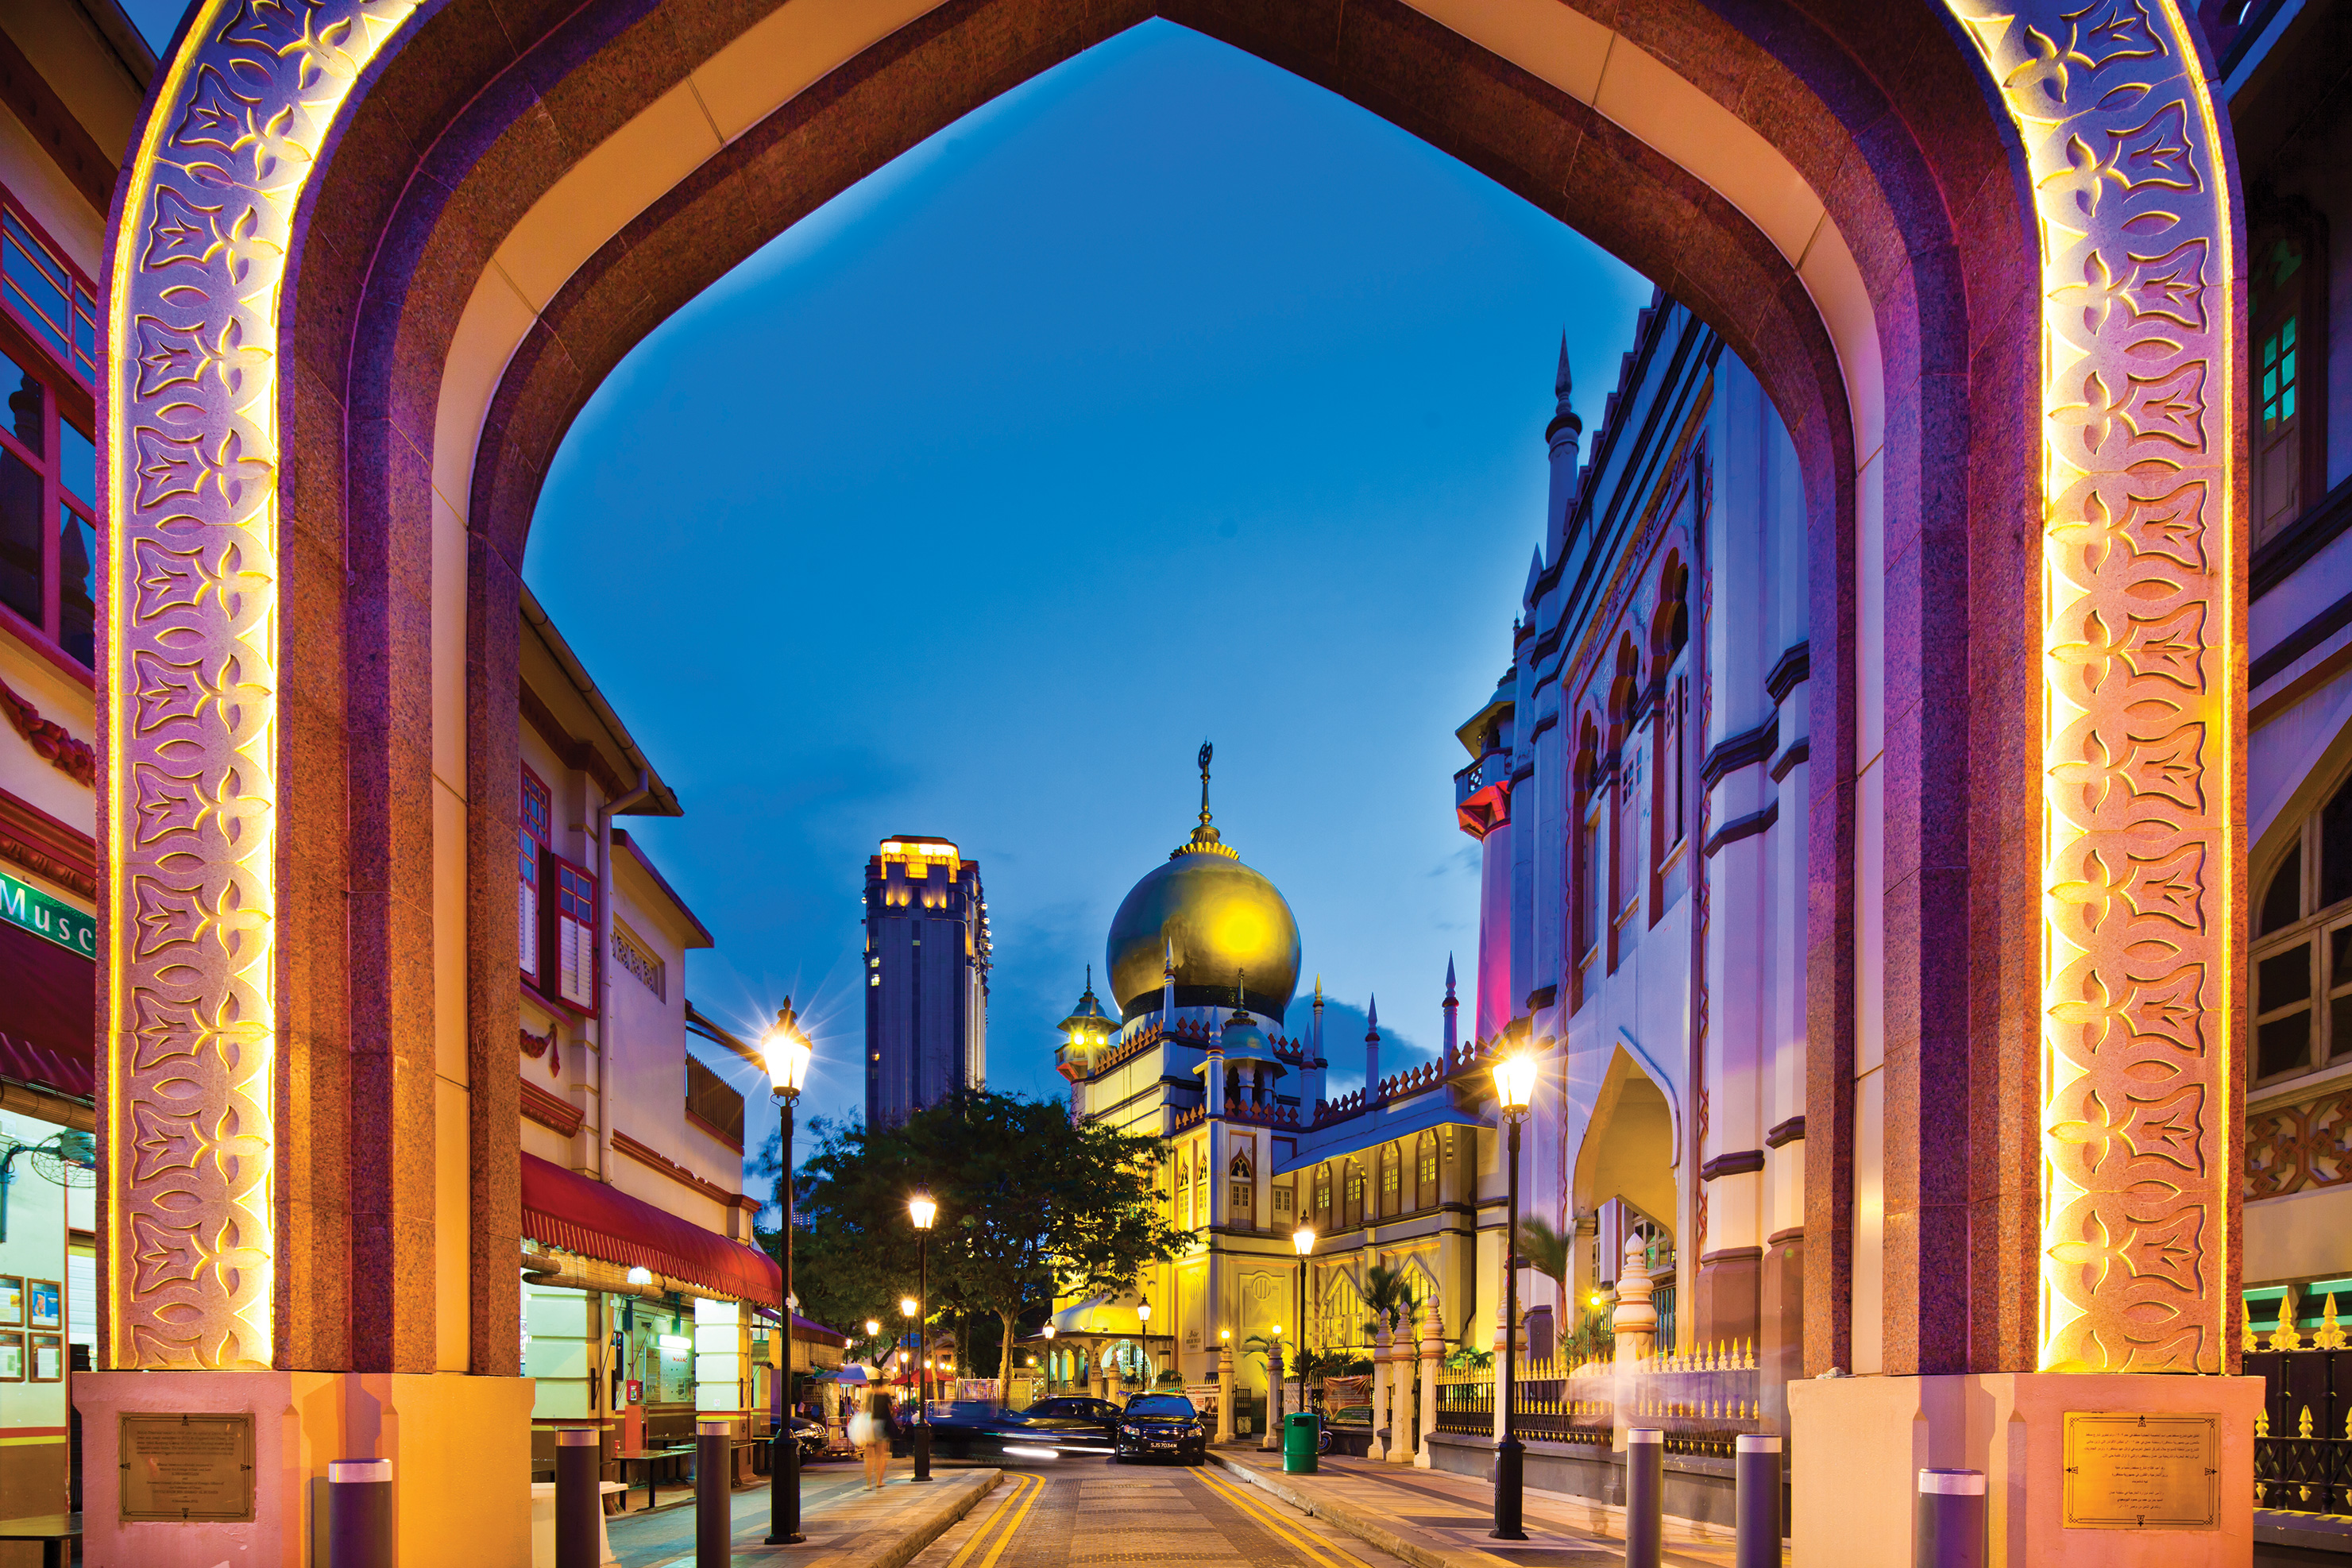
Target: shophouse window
column 2303, row 946
column 49, row 518
column 537, row 828
column 46, row 293
column 2288, row 434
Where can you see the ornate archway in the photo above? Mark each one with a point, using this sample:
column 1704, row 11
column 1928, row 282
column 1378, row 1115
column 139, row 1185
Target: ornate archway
column 371, row 257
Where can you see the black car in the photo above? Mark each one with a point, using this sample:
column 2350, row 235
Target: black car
column 1102, row 1413
column 811, row 1438
column 985, row 1432
column 1161, row 1427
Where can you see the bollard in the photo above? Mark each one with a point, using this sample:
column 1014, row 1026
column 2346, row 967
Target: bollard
column 579, row 1499
column 714, row 1525
column 359, row 1513
column 1645, row 1497
column 1947, row 1530
column 1756, row 1472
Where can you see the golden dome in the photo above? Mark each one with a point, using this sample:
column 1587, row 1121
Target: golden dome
column 1219, row 917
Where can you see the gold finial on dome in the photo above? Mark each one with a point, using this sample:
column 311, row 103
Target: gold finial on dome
column 1205, row 839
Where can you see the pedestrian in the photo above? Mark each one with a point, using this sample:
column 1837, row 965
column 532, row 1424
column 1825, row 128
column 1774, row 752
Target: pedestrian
column 868, row 1437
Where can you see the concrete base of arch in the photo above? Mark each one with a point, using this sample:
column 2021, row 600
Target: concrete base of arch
column 1857, row 1444
column 459, row 1447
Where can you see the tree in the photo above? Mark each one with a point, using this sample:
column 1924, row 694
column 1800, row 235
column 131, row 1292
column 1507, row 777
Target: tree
column 1387, row 1292
column 1544, row 1249
column 1029, row 1206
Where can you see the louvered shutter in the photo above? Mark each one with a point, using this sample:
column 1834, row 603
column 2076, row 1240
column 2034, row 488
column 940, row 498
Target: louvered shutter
column 573, row 931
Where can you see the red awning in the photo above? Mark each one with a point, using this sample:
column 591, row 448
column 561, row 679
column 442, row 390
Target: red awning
column 808, row 1332
column 49, row 1014
column 561, row 1208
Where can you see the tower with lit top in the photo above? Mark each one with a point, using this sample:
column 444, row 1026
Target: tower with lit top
column 927, row 963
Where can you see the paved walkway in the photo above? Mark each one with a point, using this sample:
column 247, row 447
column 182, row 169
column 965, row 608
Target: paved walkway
column 1096, row 1515
column 1433, row 1518
column 847, row 1526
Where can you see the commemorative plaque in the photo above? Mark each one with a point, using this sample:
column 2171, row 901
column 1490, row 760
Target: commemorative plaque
column 196, row 1468
column 2142, row 1472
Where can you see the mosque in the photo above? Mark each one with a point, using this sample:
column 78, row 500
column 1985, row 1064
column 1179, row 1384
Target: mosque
column 1204, row 961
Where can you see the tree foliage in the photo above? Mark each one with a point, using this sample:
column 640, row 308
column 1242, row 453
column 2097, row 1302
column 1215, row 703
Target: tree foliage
column 1030, row 1207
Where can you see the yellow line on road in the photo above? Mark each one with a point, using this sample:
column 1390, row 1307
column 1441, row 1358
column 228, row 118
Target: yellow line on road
column 1247, row 1498
column 1010, row 1513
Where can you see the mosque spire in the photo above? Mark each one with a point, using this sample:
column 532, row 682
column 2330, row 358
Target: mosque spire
column 1372, row 1052
column 1205, row 836
column 1168, row 982
column 1318, row 1018
column 1451, row 1003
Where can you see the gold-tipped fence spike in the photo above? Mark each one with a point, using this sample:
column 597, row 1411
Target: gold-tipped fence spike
column 2303, row 1427
column 2262, row 1422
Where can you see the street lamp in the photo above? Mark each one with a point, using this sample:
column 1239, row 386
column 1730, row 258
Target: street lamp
column 1053, row 1371
column 922, row 1210
column 1515, row 1090
column 786, row 1050
column 1303, row 1238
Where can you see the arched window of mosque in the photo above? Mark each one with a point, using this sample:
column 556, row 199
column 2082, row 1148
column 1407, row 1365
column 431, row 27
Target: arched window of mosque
column 1391, row 1164
column 1428, row 1168
column 1355, row 1193
column 2303, row 947
column 1322, row 1193
column 1240, row 1168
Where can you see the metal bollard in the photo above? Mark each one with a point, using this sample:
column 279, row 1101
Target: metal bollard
column 359, row 1513
column 1645, row 1497
column 1947, row 1530
column 714, row 1523
column 579, row 1499
column 1755, row 1469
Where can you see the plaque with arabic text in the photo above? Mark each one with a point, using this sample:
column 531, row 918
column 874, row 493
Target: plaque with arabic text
column 187, row 1469
column 2127, row 1471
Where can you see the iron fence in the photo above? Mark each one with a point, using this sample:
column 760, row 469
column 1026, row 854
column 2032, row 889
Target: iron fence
column 2303, row 1439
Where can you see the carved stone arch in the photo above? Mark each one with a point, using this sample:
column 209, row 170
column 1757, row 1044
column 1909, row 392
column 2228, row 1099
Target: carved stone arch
column 321, row 460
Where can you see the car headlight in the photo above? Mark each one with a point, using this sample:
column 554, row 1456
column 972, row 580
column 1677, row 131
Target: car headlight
column 1130, row 1431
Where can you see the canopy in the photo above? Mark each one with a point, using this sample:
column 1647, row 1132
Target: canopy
column 49, row 1014
column 563, row 1208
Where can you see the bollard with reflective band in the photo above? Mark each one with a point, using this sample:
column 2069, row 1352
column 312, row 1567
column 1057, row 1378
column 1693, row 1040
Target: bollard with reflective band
column 1645, row 1497
column 714, row 1523
column 1755, row 1470
column 579, row 1498
column 359, row 1513
column 1948, row 1531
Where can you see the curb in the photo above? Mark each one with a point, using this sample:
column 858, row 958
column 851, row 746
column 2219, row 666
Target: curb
column 1369, row 1527
column 951, row 1505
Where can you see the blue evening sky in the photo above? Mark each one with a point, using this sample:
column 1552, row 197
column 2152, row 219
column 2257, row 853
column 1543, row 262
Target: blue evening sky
column 1168, row 396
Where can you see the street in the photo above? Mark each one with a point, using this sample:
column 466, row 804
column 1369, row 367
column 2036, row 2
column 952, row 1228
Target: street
column 1104, row 1514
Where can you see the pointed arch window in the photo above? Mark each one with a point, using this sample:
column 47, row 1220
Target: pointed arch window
column 2302, row 950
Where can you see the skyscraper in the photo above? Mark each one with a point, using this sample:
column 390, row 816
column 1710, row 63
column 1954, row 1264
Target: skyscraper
column 926, row 961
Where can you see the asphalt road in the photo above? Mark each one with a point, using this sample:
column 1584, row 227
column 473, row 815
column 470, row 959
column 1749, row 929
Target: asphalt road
column 1093, row 1514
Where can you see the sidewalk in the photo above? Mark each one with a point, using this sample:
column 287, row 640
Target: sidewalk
column 847, row 1526
column 1432, row 1519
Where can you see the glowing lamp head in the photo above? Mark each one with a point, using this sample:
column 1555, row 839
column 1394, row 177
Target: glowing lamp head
column 1225, row 1334
column 1143, row 1310
column 923, row 1209
column 1278, row 1331
column 641, row 1276
column 1049, row 1330
column 786, row 1050
column 1515, row 1082
column 1303, row 1238
column 873, row 1327
column 905, row 1305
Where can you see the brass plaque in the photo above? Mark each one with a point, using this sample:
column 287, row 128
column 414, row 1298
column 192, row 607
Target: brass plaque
column 2143, row 1472
column 188, row 1468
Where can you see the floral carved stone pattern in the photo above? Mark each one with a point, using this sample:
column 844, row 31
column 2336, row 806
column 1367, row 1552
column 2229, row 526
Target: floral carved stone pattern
column 190, row 667
column 2110, row 104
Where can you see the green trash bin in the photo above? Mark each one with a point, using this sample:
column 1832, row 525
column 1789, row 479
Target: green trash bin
column 1301, row 1435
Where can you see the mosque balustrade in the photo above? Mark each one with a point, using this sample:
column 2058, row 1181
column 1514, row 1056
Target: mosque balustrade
column 1702, row 1400
column 1478, row 1056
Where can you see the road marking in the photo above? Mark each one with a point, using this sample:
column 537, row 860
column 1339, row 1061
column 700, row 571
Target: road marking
column 1010, row 1513
column 1244, row 1499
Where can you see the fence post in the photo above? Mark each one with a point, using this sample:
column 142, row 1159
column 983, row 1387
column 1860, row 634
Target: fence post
column 713, row 1517
column 1645, row 1497
column 1949, row 1525
column 1382, row 1419
column 359, row 1513
column 579, row 1467
column 1757, row 1473
column 1432, row 1348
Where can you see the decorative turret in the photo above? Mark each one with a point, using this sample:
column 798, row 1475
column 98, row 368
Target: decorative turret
column 1561, row 436
column 1372, row 1052
column 1085, row 1033
column 1451, row 1003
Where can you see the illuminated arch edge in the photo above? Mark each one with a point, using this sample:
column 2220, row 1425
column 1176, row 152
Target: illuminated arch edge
column 189, row 667
column 2138, row 701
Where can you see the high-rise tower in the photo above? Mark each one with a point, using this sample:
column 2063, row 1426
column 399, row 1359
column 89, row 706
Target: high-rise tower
column 927, row 961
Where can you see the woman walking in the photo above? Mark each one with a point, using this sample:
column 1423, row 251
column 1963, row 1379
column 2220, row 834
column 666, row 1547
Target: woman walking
column 870, row 1431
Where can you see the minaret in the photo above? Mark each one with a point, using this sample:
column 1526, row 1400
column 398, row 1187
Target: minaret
column 1561, row 436
column 1450, row 1006
column 1317, row 1049
column 1168, row 983
column 1372, row 1054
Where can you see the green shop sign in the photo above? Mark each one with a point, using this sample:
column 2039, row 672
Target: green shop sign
column 47, row 916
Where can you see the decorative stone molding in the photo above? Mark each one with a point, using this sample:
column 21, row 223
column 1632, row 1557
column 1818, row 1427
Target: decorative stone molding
column 2290, row 1148
column 2139, row 707
column 189, row 671
column 49, row 740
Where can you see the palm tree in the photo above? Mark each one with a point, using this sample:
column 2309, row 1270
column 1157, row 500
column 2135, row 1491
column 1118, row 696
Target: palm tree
column 1544, row 1249
column 1389, row 1293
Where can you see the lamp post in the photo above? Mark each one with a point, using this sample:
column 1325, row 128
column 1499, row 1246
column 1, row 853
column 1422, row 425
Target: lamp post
column 1514, row 1089
column 1303, row 1238
column 922, row 1210
column 1143, row 1329
column 1053, row 1371
column 787, row 1051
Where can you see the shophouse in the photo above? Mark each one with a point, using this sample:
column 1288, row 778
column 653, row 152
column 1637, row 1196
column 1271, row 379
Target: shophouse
column 72, row 73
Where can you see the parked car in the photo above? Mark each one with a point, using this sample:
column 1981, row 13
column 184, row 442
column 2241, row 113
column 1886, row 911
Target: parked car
column 1101, row 1412
column 1161, row 1427
column 811, row 1436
